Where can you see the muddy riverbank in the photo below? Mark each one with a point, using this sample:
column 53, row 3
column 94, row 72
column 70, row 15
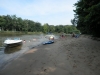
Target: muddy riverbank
column 67, row 56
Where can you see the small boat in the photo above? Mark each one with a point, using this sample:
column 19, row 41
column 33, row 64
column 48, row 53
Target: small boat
column 50, row 36
column 48, row 42
column 12, row 42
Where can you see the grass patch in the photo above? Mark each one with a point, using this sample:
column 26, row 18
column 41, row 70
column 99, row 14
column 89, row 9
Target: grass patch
column 18, row 33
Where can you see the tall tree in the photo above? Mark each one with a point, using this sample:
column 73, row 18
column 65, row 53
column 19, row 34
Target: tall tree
column 2, row 23
column 19, row 23
column 46, row 28
column 37, row 26
column 51, row 28
column 87, row 12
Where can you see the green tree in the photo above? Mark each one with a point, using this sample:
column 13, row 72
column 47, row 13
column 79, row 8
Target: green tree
column 31, row 26
column 51, row 28
column 46, row 28
column 2, row 23
column 19, row 25
column 87, row 12
column 8, row 23
column 37, row 26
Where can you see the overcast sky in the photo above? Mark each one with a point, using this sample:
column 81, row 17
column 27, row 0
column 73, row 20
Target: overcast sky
column 53, row 12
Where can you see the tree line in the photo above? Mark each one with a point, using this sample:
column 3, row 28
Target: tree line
column 13, row 23
column 87, row 17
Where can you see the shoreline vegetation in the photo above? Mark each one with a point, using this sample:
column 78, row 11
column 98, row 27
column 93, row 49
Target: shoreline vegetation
column 13, row 23
column 86, row 17
column 3, row 33
column 37, row 33
column 18, row 32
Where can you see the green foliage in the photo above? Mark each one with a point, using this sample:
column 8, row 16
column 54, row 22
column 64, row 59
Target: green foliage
column 17, row 24
column 87, row 16
column 46, row 28
column 51, row 28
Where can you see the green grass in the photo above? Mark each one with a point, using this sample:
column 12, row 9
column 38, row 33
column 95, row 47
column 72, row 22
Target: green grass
column 18, row 33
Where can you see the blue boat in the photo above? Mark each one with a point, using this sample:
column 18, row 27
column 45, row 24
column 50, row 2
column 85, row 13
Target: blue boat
column 48, row 42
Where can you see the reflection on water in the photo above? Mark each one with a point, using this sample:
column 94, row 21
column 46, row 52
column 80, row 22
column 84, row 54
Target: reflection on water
column 7, row 54
column 9, row 50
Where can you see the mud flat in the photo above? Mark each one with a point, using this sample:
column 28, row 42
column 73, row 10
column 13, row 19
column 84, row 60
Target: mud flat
column 67, row 56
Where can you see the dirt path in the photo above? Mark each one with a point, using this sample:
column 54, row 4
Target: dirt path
column 70, row 56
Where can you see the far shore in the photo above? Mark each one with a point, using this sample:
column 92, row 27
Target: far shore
column 18, row 32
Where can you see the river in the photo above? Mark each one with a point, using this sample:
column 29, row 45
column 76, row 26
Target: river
column 8, row 54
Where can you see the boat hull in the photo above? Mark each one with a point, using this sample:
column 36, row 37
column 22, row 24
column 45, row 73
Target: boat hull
column 13, row 44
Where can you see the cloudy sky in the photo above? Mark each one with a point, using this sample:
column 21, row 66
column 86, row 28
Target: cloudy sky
column 53, row 12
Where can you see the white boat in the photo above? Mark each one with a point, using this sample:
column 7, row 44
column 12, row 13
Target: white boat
column 48, row 36
column 13, row 42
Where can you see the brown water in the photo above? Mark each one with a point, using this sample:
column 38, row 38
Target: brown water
column 7, row 54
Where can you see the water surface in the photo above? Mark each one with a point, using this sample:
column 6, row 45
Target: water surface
column 7, row 54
